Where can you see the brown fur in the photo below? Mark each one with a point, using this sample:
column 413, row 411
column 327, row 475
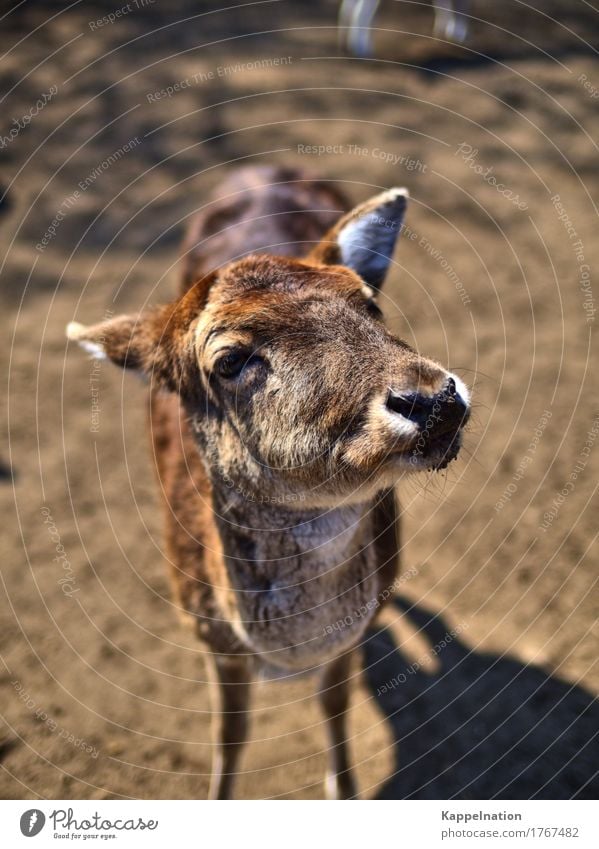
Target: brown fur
column 278, row 484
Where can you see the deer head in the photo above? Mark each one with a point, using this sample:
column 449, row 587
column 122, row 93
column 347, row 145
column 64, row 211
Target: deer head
column 289, row 378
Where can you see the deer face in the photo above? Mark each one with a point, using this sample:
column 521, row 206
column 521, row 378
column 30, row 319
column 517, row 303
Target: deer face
column 292, row 383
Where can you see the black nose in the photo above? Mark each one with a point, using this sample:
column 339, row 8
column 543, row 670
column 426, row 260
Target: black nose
column 434, row 414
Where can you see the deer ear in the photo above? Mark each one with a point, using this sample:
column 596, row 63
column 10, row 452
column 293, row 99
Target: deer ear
column 158, row 342
column 122, row 340
column 364, row 239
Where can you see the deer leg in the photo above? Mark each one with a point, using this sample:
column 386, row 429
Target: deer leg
column 334, row 699
column 344, row 20
column 230, row 719
column 357, row 17
column 449, row 23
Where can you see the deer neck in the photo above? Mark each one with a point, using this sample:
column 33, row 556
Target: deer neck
column 263, row 533
column 293, row 575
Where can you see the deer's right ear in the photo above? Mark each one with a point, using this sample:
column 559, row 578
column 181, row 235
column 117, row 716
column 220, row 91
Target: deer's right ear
column 157, row 342
column 124, row 340
column 365, row 238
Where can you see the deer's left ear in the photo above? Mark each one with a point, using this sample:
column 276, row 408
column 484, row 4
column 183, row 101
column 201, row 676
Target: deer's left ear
column 364, row 239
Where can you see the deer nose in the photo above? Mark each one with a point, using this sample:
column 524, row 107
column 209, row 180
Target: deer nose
column 434, row 414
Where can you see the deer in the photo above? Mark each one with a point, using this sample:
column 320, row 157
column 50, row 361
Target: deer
column 283, row 413
column 356, row 16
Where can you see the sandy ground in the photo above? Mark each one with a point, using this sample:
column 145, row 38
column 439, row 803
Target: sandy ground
column 480, row 683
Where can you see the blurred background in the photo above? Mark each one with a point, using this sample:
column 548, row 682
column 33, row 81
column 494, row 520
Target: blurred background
column 117, row 121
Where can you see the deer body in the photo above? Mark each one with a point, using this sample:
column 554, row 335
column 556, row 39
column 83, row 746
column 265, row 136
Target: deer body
column 356, row 18
column 305, row 573
column 276, row 576
column 282, row 413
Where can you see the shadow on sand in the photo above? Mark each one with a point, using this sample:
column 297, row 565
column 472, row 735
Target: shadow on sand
column 480, row 726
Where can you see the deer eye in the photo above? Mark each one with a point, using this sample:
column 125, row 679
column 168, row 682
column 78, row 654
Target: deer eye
column 231, row 364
